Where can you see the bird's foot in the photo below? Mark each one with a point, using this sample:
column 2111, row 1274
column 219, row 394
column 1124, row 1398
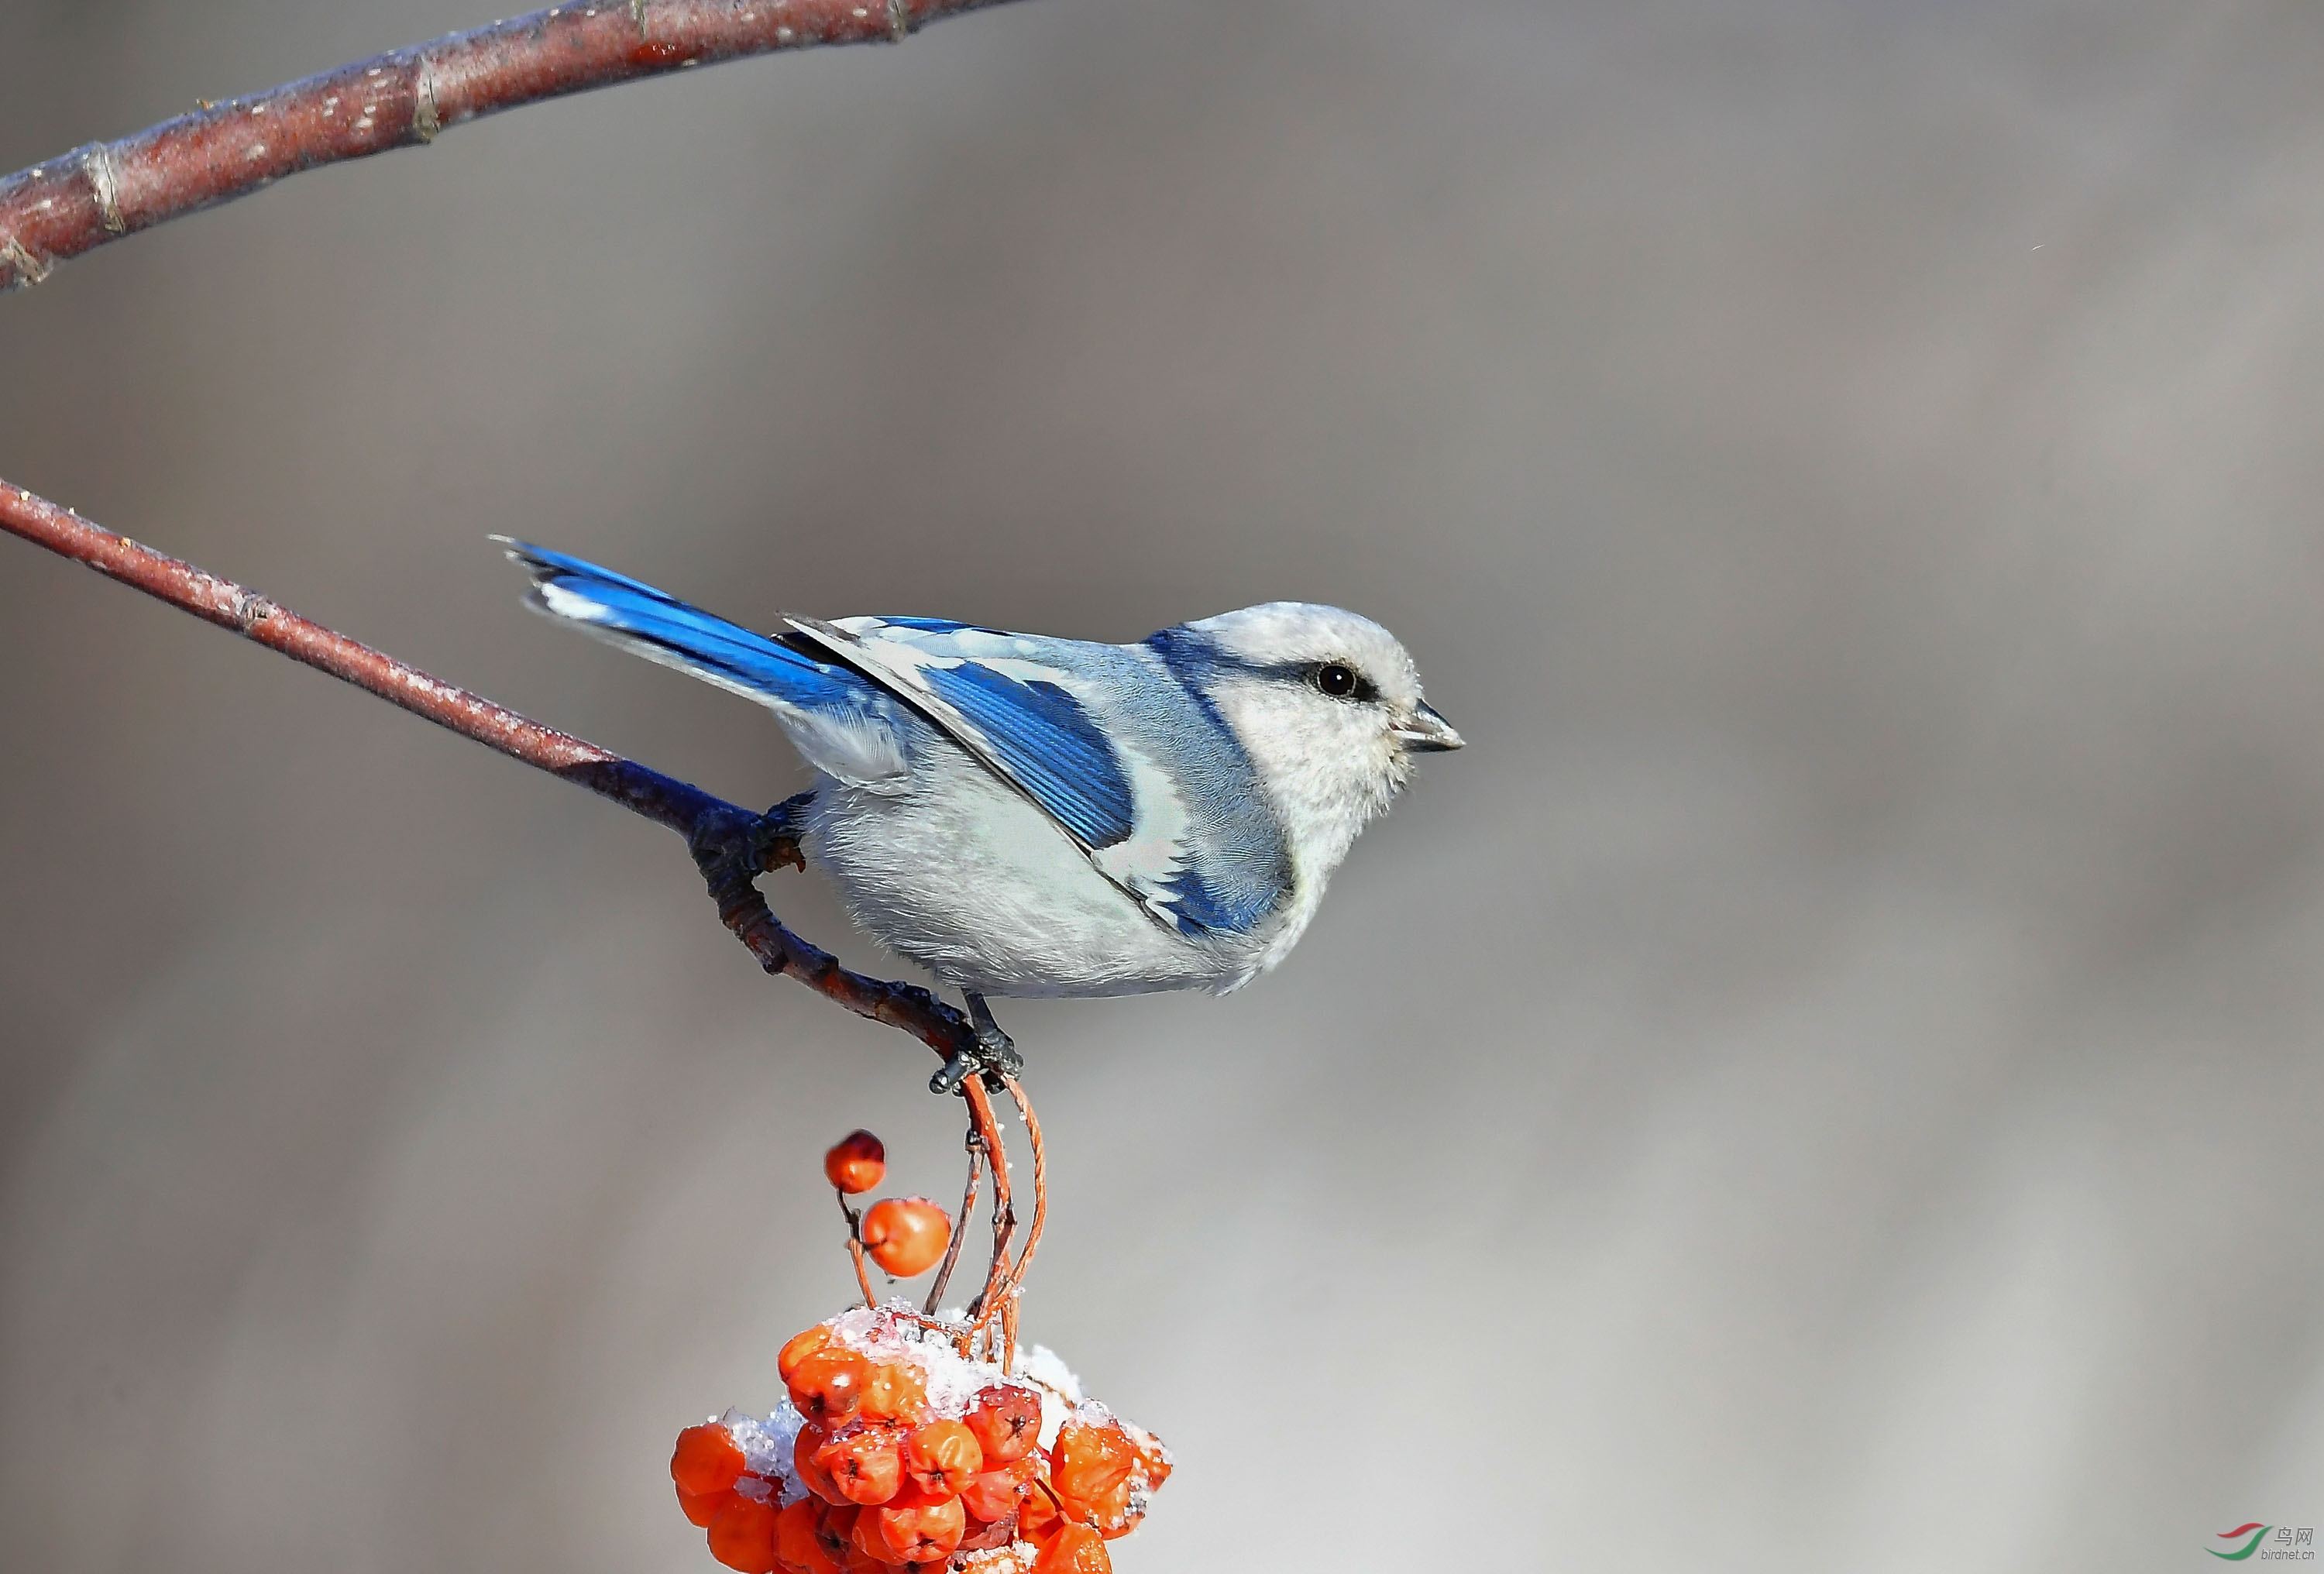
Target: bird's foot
column 992, row 1056
column 774, row 836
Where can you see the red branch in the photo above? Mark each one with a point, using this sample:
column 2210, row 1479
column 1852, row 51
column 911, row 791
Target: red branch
column 76, row 203
column 731, row 845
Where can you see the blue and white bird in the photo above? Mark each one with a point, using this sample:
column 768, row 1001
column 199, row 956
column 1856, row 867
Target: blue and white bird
column 1025, row 815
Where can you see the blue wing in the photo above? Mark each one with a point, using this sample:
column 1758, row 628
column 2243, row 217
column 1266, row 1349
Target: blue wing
column 1002, row 699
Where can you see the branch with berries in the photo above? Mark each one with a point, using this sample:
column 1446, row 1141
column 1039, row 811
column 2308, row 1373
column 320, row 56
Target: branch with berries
column 907, row 1436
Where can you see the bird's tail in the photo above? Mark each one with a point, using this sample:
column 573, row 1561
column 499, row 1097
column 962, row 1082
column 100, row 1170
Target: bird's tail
column 661, row 627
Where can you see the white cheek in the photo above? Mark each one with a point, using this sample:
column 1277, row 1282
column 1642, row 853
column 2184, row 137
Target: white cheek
column 1323, row 765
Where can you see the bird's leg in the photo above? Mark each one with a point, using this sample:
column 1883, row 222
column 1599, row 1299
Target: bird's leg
column 994, row 1054
column 995, row 1048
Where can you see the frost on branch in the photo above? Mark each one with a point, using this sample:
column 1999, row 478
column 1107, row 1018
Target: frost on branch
column 912, row 1441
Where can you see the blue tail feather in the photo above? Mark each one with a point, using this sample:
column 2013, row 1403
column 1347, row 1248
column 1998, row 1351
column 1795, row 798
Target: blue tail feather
column 661, row 626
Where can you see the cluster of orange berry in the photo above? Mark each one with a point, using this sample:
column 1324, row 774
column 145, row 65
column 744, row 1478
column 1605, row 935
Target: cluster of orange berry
column 896, row 1451
column 899, row 1449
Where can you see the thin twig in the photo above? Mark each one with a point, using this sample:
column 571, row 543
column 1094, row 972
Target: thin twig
column 1034, row 1140
column 1008, row 1331
column 855, row 1246
column 986, row 1306
column 77, row 202
column 731, row 844
column 959, row 1225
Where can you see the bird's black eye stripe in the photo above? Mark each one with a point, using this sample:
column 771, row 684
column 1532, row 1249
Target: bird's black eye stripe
column 1341, row 681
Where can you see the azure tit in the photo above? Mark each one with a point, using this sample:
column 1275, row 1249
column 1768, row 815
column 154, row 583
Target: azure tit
column 1027, row 815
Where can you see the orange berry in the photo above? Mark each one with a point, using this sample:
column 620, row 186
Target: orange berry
column 837, row 1534
column 1089, row 1459
column 865, row 1550
column 1007, row 1422
column 1037, row 1518
column 895, row 1391
column 864, row 1463
column 906, row 1236
column 742, row 1536
column 802, row 1345
column 1117, row 1510
column 817, row 1479
column 706, row 1459
column 923, row 1529
column 942, row 1457
column 1074, row 1550
column 799, row 1547
column 827, row 1386
column 993, row 1495
column 856, row 1162
column 701, row 1508
column 1153, row 1459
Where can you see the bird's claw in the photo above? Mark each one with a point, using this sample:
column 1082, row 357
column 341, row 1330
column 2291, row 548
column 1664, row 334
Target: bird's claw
column 994, row 1057
column 774, row 836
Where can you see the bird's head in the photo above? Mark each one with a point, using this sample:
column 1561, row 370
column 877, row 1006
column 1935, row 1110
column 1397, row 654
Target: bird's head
column 1327, row 703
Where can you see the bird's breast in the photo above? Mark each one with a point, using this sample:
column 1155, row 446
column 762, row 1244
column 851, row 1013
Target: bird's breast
column 964, row 876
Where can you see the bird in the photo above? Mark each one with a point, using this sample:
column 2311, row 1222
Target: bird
column 1024, row 815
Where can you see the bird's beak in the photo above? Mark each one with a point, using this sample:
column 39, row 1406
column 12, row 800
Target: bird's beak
column 1428, row 732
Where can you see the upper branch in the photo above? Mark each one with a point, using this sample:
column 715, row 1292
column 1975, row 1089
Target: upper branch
column 731, row 845
column 77, row 202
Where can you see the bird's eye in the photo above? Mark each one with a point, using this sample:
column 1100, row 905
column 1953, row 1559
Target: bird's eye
column 1335, row 680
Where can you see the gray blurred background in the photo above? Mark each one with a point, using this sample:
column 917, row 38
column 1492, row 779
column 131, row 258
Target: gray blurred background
column 1829, row 1076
